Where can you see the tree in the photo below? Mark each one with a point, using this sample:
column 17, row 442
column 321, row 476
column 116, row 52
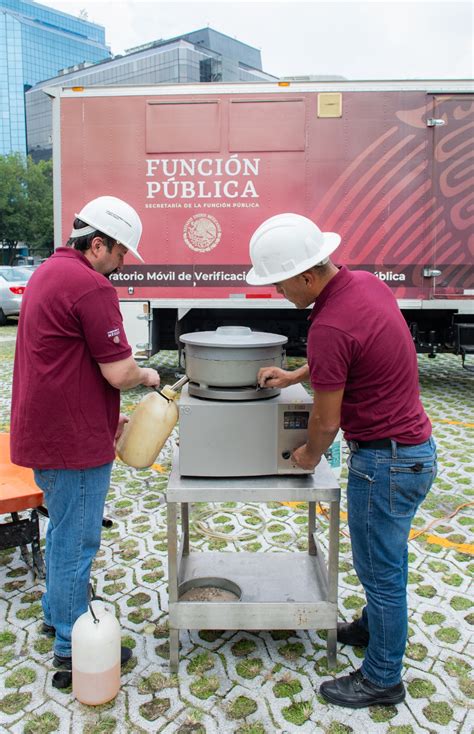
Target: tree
column 13, row 214
column 26, row 204
column 39, row 183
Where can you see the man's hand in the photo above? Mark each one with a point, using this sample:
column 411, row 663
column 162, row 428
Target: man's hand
column 149, row 377
column 120, row 426
column 303, row 458
column 274, row 377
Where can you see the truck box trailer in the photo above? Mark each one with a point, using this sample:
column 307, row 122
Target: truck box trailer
column 387, row 165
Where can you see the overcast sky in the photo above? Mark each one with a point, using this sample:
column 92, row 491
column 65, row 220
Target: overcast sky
column 358, row 40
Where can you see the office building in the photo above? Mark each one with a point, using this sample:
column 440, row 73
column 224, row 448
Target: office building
column 201, row 56
column 35, row 43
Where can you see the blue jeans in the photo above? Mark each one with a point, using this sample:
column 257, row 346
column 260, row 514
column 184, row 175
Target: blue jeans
column 385, row 489
column 75, row 500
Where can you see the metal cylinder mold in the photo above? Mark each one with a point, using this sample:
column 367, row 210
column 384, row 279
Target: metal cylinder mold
column 229, row 358
column 209, row 589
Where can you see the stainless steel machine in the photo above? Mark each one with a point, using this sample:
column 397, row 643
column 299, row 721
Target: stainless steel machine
column 228, row 426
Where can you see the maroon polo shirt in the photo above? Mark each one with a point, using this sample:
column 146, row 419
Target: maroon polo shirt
column 358, row 340
column 64, row 413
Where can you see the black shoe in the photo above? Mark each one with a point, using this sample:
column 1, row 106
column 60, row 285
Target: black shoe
column 62, row 663
column 48, row 630
column 65, row 663
column 62, row 679
column 352, row 634
column 355, row 692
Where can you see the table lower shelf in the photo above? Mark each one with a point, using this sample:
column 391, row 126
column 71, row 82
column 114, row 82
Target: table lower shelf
column 278, row 591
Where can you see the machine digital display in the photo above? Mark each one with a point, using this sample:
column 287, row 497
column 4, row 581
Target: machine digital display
column 295, row 419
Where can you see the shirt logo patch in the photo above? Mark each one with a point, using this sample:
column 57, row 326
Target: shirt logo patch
column 113, row 333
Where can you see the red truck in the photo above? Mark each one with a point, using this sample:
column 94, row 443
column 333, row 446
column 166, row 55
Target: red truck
column 388, row 165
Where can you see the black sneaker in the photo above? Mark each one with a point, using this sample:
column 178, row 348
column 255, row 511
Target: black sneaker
column 48, row 630
column 352, row 633
column 65, row 663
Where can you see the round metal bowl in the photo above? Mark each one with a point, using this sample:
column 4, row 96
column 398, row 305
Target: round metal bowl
column 209, row 588
column 217, row 373
column 230, row 356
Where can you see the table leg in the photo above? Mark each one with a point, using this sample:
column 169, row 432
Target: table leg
column 174, row 650
column 173, row 582
column 333, row 571
column 312, row 550
column 172, row 553
column 185, row 527
column 331, row 649
column 333, row 556
column 38, row 564
column 25, row 553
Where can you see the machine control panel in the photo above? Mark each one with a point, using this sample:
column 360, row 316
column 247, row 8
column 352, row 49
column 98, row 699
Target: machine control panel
column 295, row 419
column 292, row 432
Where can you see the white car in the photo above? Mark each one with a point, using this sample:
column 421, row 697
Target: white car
column 13, row 282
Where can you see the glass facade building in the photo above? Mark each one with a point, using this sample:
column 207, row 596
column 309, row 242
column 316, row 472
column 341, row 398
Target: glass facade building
column 36, row 42
column 200, row 56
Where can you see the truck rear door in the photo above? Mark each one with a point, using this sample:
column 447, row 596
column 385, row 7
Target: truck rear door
column 453, row 189
column 137, row 325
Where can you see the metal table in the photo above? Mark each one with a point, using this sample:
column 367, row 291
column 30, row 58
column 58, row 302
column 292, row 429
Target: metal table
column 278, row 590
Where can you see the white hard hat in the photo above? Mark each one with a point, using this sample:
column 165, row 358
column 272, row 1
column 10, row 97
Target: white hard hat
column 115, row 218
column 286, row 245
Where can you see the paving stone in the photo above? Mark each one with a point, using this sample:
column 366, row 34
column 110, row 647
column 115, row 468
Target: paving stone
column 49, row 708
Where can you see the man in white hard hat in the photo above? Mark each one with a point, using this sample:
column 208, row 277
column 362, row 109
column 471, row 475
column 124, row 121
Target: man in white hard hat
column 362, row 367
column 72, row 359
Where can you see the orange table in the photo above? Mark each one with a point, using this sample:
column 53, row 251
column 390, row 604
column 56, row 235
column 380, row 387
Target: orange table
column 19, row 492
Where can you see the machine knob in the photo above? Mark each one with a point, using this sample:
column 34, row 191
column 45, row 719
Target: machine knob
column 286, row 454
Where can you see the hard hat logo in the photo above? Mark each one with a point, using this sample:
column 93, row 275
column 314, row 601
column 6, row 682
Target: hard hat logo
column 286, row 245
column 115, row 218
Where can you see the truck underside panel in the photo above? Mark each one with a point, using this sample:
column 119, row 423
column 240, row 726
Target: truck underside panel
column 434, row 331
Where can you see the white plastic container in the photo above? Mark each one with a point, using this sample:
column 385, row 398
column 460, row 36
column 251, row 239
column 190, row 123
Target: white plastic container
column 148, row 428
column 96, row 656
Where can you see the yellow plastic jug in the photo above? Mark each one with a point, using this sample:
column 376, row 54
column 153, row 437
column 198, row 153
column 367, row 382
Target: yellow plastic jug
column 149, row 426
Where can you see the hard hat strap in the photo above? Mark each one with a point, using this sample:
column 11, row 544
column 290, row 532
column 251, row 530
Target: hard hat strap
column 82, row 232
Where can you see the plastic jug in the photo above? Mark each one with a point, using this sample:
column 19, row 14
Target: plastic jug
column 149, row 426
column 96, row 655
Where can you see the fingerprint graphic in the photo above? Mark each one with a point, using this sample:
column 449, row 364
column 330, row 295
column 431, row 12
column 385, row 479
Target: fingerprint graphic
column 408, row 198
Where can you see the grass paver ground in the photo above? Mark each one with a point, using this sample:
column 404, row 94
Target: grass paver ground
column 253, row 682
